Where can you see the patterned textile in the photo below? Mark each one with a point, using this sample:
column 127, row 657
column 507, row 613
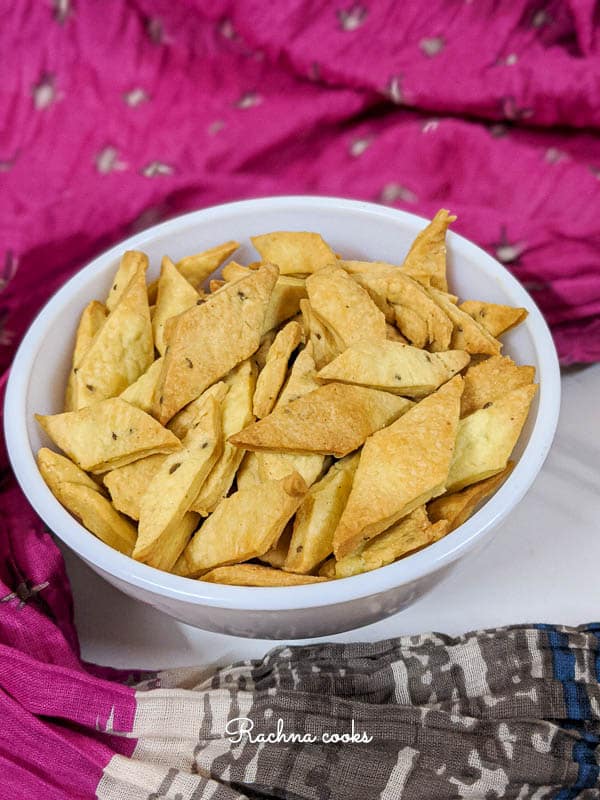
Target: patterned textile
column 507, row 713
column 119, row 115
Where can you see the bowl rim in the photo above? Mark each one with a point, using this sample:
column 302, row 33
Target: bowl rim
column 336, row 592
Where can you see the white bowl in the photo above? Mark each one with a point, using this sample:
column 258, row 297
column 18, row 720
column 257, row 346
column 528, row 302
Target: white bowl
column 358, row 230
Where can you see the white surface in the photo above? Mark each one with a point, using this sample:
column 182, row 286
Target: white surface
column 359, row 230
column 542, row 565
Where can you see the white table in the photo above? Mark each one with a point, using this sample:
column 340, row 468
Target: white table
column 542, row 565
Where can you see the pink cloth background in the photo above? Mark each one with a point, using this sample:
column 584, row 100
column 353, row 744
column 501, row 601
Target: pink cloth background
column 117, row 115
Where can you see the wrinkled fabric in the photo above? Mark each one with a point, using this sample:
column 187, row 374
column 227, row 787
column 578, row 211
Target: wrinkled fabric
column 116, row 116
column 116, row 119
column 512, row 712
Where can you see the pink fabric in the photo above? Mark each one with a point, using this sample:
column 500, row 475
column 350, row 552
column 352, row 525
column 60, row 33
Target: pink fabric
column 116, row 116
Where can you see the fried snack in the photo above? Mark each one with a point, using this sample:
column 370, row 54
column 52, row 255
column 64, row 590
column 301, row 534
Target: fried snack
column 275, row 557
column 395, row 367
column 272, row 377
column 490, row 379
column 248, row 473
column 285, row 301
column 256, row 575
column 486, row 438
column 302, row 377
column 197, row 268
column 325, row 343
column 215, row 284
column 412, row 533
column 161, row 534
column 457, row 507
column 123, row 348
column 236, row 413
column 57, row 469
column 295, row 253
column 335, row 419
column 426, row 259
column 92, row 319
column 107, row 435
column 344, row 306
column 232, row 271
column 260, row 357
column 131, row 263
column 401, row 468
column 467, row 333
column 327, row 569
column 141, row 392
column 83, row 498
column 207, row 341
column 318, row 517
column 418, row 317
column 174, row 296
column 128, row 484
column 393, row 334
column 273, row 466
column 496, row 319
column 183, row 421
column 243, row 526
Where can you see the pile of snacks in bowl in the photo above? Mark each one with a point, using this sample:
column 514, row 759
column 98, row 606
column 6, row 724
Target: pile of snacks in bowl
column 299, row 419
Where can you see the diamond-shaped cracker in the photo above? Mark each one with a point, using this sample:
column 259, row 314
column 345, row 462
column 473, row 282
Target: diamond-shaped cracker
column 401, row 467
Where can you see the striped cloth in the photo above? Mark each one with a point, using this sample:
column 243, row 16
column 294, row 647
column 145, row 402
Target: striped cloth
column 506, row 713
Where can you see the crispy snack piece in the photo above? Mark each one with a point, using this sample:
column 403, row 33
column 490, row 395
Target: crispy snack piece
column 243, row 526
column 318, row 517
column 131, row 263
column 57, row 469
column 496, row 319
column 457, row 507
column 294, row 252
column 232, row 271
column 411, row 533
column 83, row 498
column 327, row 569
column 215, row 284
column 302, row 377
column 285, row 301
column 325, row 343
column 207, row 341
column 260, row 357
column 236, row 413
column 333, row 420
column 141, row 392
column 490, row 379
column 128, row 484
column 256, row 575
column 183, row 421
column 344, row 306
column 419, row 318
column 401, row 467
column 395, row 367
column 275, row 557
column 248, row 473
column 394, row 335
column 107, row 435
column 272, row 377
column 467, row 333
column 161, row 534
column 174, row 296
column 486, row 438
column 197, row 268
column 273, row 466
column 92, row 319
column 426, row 259
column 123, row 348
